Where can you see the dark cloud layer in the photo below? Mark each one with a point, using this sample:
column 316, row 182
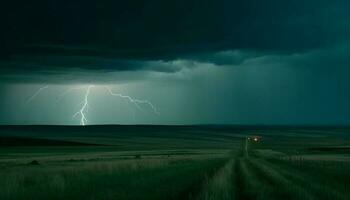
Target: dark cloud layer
column 107, row 35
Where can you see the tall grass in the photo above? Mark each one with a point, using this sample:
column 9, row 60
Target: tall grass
column 251, row 177
column 220, row 186
column 205, row 177
column 249, row 185
column 279, row 185
column 324, row 183
column 134, row 179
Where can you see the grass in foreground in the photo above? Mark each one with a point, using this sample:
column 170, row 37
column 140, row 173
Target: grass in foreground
column 252, row 177
column 154, row 164
column 130, row 179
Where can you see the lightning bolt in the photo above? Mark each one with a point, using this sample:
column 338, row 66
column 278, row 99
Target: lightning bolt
column 84, row 108
column 37, row 93
column 136, row 102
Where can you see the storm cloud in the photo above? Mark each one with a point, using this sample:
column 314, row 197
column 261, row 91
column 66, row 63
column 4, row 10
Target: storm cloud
column 198, row 61
column 56, row 38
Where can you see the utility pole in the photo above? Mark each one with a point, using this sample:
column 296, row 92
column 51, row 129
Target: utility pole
column 246, row 145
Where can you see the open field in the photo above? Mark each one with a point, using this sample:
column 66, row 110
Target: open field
column 174, row 162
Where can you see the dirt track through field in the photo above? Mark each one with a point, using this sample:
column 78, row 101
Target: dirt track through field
column 257, row 178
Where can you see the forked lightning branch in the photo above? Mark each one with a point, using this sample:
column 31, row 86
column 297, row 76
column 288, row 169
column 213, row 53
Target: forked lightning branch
column 88, row 90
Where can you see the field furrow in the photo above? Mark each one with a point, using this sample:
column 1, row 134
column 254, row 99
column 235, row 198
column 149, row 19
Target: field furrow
column 220, row 186
column 319, row 189
column 281, row 187
column 248, row 185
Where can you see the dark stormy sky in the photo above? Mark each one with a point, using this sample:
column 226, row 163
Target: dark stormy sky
column 195, row 62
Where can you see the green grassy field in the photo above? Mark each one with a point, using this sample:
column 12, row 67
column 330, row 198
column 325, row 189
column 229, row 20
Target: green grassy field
column 174, row 162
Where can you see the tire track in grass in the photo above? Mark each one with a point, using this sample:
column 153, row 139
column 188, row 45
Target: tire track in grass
column 248, row 186
column 320, row 191
column 220, row 186
column 252, row 178
column 280, row 186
